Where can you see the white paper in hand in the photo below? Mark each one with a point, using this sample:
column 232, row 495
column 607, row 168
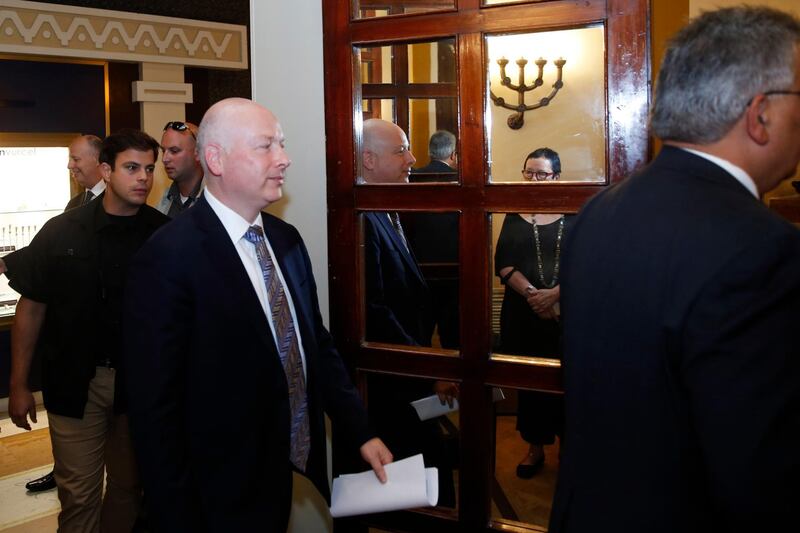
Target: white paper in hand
column 431, row 406
column 409, row 485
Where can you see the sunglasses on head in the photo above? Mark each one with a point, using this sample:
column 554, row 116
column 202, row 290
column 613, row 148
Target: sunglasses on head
column 179, row 126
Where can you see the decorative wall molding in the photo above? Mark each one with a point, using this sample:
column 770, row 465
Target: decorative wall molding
column 161, row 91
column 36, row 28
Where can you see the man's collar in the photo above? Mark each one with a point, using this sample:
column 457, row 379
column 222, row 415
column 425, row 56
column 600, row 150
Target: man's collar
column 234, row 224
column 736, row 171
column 98, row 188
column 174, row 193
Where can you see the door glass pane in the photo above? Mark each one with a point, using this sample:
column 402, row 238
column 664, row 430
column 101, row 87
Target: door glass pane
column 411, row 278
column 375, row 64
column 418, row 79
column 382, row 108
column 526, row 259
column 558, row 79
column 432, row 127
column 528, row 429
column 432, row 62
column 384, row 8
column 402, row 428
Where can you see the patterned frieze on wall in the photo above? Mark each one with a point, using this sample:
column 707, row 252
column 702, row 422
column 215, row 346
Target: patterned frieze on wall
column 66, row 31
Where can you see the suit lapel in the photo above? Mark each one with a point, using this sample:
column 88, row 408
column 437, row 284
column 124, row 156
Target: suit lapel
column 384, row 222
column 235, row 281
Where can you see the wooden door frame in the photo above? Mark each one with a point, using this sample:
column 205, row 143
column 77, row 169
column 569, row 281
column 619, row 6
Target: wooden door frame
column 627, row 82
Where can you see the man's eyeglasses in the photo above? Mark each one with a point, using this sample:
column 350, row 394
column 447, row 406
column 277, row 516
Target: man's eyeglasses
column 540, row 175
column 179, row 126
column 769, row 93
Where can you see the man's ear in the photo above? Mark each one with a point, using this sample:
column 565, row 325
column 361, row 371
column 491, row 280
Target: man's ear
column 105, row 172
column 214, row 160
column 757, row 121
column 368, row 159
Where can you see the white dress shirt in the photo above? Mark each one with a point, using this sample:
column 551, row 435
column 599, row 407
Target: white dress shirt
column 236, row 227
column 98, row 188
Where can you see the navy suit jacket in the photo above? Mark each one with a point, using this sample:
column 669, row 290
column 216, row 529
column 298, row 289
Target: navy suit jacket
column 398, row 300
column 209, row 403
column 680, row 300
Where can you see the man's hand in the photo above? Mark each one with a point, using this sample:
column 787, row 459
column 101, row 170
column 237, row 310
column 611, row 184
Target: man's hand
column 447, row 391
column 20, row 405
column 375, row 452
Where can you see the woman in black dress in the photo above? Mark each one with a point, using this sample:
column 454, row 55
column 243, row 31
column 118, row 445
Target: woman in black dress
column 527, row 259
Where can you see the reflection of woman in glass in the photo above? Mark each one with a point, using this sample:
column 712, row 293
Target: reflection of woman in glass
column 527, row 259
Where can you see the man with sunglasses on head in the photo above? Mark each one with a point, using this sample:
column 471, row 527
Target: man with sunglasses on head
column 182, row 166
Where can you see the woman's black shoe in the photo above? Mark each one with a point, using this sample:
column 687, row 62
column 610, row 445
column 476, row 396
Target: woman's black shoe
column 527, row 471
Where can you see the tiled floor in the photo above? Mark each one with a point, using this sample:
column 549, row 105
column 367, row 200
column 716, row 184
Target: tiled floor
column 25, row 455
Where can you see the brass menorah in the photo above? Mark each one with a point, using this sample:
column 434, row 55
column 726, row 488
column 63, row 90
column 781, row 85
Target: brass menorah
column 516, row 120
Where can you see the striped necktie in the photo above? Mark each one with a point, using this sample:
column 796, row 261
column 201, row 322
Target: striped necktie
column 87, row 197
column 288, row 350
column 394, row 218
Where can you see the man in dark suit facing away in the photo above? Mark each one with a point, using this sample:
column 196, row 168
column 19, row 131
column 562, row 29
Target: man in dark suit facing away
column 444, row 160
column 223, row 326
column 434, row 238
column 399, row 310
column 681, row 303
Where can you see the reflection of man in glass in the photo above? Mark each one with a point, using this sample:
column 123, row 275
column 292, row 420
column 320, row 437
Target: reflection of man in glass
column 386, row 157
column 434, row 239
column 527, row 260
column 444, row 159
column 399, row 310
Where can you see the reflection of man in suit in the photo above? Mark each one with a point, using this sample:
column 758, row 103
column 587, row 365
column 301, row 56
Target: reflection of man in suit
column 398, row 308
column 224, row 326
column 84, row 168
column 681, row 302
column 434, row 238
column 444, row 159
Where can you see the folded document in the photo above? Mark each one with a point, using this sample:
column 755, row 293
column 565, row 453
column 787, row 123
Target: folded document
column 431, row 406
column 409, row 484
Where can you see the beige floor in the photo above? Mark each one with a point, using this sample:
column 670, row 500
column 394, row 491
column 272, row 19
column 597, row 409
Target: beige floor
column 25, row 455
column 531, row 499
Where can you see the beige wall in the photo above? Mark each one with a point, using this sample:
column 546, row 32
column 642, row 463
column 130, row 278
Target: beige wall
column 573, row 124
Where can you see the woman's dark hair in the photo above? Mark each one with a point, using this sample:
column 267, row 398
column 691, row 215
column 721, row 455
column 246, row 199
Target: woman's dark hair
column 546, row 153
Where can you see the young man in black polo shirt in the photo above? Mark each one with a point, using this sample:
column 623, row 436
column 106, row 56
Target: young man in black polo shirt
column 72, row 275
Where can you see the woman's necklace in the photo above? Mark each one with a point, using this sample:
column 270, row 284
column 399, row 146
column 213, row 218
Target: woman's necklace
column 539, row 262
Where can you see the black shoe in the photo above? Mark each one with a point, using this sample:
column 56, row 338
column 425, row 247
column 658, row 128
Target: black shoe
column 527, row 471
column 46, row 482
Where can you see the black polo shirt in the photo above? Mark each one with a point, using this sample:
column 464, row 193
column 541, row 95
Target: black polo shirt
column 77, row 265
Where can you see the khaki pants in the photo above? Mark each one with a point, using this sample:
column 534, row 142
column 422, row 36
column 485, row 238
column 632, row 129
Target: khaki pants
column 83, row 449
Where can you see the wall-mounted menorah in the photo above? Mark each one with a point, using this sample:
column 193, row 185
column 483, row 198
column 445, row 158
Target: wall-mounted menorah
column 516, row 120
